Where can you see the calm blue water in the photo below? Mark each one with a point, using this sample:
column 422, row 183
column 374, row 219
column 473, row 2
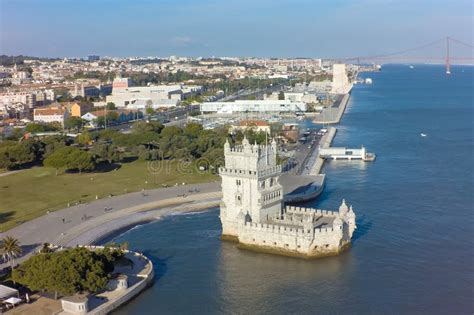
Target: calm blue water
column 414, row 248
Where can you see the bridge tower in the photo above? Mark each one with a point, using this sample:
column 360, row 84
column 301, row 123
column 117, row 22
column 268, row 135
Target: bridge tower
column 448, row 66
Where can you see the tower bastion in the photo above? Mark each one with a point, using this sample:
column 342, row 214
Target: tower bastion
column 252, row 211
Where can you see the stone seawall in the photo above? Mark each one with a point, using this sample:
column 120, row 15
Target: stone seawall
column 129, row 293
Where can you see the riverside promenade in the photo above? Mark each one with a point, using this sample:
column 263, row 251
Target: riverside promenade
column 333, row 114
column 86, row 223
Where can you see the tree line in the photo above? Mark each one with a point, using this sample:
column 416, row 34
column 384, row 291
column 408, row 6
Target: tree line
column 90, row 150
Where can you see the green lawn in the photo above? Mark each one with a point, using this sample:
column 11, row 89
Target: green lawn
column 31, row 193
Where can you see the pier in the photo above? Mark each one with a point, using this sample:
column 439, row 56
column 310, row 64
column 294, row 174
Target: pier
column 340, row 153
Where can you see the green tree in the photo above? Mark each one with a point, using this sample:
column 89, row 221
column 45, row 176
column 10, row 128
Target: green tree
column 53, row 143
column 42, row 127
column 68, row 271
column 84, row 138
column 57, row 159
column 70, row 158
column 143, row 126
column 281, row 95
column 214, row 158
column 80, row 160
column 105, row 152
column 74, row 123
column 10, row 249
column 19, row 154
column 193, row 130
column 110, row 106
column 150, row 110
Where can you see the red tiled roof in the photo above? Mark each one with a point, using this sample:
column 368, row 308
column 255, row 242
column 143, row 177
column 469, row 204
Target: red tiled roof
column 259, row 123
column 49, row 111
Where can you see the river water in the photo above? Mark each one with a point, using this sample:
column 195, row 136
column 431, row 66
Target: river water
column 413, row 251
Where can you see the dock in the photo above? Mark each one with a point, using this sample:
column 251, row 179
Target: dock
column 341, row 153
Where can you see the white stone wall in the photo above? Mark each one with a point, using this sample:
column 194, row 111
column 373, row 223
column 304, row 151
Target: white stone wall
column 303, row 240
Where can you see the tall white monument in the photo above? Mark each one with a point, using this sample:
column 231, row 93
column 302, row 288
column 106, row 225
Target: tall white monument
column 340, row 81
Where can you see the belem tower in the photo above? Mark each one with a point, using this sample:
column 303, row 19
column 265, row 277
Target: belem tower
column 252, row 211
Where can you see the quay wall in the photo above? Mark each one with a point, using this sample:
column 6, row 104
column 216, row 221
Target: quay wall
column 130, row 293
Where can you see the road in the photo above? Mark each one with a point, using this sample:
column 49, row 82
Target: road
column 174, row 117
column 304, row 154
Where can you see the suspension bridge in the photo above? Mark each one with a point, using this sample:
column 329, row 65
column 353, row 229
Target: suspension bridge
column 438, row 51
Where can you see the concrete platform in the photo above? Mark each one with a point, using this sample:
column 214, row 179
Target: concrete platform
column 301, row 188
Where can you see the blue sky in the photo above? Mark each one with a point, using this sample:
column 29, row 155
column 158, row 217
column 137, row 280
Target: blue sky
column 280, row 28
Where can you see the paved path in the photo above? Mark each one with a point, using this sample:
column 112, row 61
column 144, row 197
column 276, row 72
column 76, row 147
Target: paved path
column 9, row 173
column 63, row 226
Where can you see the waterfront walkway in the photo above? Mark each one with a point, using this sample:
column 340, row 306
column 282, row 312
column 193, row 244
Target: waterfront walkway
column 85, row 223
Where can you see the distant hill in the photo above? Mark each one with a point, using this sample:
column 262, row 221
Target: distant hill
column 20, row 59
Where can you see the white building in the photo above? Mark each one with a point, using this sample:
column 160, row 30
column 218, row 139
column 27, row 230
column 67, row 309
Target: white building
column 301, row 97
column 151, row 95
column 26, row 98
column 275, row 106
column 252, row 211
column 49, row 115
column 155, row 96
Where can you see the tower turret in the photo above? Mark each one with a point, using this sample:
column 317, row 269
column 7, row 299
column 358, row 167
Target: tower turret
column 226, row 146
column 343, row 208
column 351, row 221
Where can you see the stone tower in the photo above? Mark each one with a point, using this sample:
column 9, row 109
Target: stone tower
column 250, row 185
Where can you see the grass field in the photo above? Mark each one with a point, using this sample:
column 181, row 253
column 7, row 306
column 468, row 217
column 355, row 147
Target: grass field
column 31, row 193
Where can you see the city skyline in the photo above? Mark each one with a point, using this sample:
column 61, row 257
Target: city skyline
column 302, row 28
